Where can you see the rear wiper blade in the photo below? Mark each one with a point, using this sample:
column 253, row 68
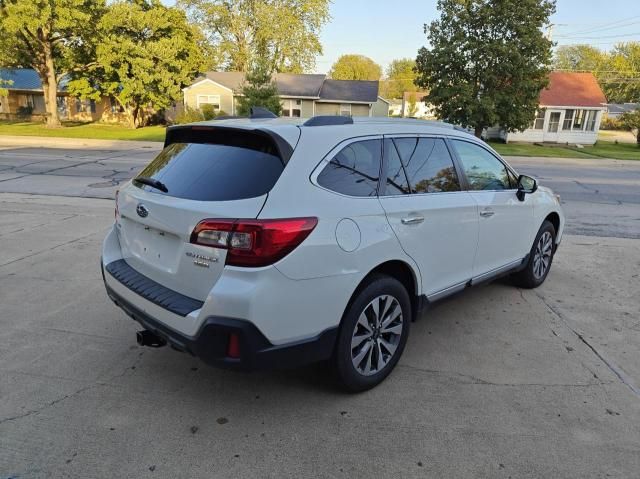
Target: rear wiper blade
column 158, row 185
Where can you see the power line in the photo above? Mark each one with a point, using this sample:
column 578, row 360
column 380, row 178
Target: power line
column 605, row 36
column 604, row 26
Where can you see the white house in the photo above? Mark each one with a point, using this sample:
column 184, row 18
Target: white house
column 570, row 111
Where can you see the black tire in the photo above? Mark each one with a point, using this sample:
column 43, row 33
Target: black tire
column 530, row 276
column 377, row 288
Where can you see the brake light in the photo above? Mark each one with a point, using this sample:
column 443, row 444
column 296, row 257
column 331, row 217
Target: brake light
column 253, row 243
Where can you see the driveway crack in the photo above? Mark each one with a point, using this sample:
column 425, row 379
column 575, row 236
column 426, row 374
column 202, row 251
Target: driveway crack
column 614, row 368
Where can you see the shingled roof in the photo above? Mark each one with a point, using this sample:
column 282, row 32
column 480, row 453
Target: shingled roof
column 20, row 79
column 350, row 90
column 572, row 89
column 307, row 85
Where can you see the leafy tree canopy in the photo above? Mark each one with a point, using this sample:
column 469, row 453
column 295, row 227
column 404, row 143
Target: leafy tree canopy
column 260, row 90
column 617, row 71
column 49, row 36
column 486, row 62
column 631, row 121
column 145, row 55
column 285, row 34
column 355, row 67
column 400, row 78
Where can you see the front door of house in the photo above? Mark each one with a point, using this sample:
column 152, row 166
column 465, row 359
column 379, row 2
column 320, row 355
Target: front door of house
column 553, row 127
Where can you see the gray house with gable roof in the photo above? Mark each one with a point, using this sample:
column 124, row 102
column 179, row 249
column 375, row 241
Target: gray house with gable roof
column 302, row 95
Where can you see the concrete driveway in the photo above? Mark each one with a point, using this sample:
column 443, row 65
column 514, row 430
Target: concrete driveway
column 495, row 382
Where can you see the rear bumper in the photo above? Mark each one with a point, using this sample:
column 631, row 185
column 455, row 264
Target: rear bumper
column 210, row 343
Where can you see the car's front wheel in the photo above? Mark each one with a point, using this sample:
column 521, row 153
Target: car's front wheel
column 540, row 258
column 373, row 334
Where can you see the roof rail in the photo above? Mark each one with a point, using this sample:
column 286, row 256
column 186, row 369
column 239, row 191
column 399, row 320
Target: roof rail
column 327, row 120
column 259, row 112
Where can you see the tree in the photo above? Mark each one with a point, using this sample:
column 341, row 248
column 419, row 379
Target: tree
column 146, row 54
column 400, row 78
column 631, row 121
column 285, row 34
column 48, row 36
column 616, row 71
column 620, row 82
column 487, row 62
column 579, row 58
column 413, row 106
column 355, row 67
column 259, row 90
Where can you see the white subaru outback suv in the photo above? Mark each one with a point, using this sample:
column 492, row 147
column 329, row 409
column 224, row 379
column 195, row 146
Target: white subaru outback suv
column 256, row 243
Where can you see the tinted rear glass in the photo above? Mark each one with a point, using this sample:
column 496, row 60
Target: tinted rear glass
column 354, row 170
column 214, row 172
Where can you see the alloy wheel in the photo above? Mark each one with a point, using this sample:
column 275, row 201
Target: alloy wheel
column 542, row 255
column 376, row 335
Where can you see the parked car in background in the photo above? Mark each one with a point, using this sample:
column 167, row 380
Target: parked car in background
column 256, row 243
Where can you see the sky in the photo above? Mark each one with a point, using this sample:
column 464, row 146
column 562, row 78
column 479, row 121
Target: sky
column 388, row 29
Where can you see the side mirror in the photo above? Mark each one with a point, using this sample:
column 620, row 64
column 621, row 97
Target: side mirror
column 526, row 185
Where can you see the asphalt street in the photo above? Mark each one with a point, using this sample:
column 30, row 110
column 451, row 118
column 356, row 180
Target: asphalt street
column 600, row 197
column 495, row 382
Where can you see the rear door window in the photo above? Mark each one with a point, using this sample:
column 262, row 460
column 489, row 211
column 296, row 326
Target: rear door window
column 354, row 171
column 215, row 172
column 427, row 164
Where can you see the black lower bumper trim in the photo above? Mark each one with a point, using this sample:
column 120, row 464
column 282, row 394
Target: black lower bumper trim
column 256, row 352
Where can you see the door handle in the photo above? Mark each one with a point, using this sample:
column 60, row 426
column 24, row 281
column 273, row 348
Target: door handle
column 487, row 213
column 412, row 220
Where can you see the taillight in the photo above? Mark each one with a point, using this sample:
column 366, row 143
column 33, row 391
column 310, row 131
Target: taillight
column 253, row 243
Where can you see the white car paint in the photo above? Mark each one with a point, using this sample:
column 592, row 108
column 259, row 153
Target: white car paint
column 308, row 290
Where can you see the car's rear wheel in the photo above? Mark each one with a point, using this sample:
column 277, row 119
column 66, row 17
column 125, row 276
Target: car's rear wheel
column 540, row 258
column 373, row 334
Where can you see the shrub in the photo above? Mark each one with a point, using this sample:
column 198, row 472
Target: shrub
column 25, row 111
column 609, row 123
column 208, row 111
column 221, row 113
column 189, row 115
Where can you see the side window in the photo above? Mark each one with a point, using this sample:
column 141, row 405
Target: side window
column 428, row 165
column 396, row 179
column 484, row 171
column 354, row 171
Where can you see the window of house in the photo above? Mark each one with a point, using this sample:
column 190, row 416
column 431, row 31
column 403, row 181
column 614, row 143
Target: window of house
column 345, row 109
column 85, row 105
column 568, row 119
column 592, row 115
column 61, row 105
column 354, row 171
column 292, row 108
column 483, row 170
column 578, row 120
column 115, row 106
column 208, row 100
column 427, row 164
column 538, row 123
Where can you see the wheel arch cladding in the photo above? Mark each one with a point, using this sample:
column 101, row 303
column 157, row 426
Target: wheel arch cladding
column 397, row 269
column 554, row 219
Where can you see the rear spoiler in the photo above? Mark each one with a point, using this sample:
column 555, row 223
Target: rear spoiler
column 225, row 135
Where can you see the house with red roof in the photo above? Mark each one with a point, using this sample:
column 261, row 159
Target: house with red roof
column 570, row 111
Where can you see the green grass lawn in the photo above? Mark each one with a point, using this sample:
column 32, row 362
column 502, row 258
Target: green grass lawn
column 602, row 149
column 83, row 130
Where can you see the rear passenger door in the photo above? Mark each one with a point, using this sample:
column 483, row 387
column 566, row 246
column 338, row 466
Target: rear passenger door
column 435, row 221
column 505, row 223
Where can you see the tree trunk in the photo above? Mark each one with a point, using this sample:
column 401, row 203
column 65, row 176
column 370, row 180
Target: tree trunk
column 50, row 89
column 478, row 131
column 638, row 136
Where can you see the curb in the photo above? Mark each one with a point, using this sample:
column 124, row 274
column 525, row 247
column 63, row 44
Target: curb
column 76, row 143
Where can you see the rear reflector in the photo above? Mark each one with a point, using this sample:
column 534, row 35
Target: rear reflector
column 254, row 243
column 233, row 347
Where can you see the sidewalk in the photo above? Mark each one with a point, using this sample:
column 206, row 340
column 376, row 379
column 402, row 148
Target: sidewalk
column 76, row 143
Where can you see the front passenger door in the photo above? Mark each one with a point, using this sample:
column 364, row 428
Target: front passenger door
column 505, row 223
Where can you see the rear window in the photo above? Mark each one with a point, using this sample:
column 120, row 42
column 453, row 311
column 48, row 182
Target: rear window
column 214, row 172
